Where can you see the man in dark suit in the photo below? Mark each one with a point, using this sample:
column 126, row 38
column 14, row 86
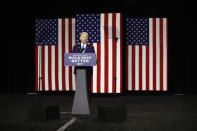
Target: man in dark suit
column 84, row 47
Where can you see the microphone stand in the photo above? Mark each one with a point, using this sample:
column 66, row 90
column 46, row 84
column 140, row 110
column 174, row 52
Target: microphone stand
column 40, row 77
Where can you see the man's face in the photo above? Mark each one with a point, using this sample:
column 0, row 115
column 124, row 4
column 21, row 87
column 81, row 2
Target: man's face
column 84, row 38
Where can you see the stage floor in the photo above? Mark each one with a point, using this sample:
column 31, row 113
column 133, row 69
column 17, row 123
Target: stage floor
column 154, row 113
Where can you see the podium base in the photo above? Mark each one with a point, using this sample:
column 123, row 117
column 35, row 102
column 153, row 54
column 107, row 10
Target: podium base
column 80, row 103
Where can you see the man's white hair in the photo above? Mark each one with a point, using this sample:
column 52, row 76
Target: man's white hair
column 83, row 33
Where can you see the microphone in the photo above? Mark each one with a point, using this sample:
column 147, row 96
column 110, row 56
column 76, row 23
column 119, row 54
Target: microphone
column 80, row 50
column 115, row 38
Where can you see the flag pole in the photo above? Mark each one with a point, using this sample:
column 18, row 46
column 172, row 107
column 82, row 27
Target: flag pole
column 40, row 78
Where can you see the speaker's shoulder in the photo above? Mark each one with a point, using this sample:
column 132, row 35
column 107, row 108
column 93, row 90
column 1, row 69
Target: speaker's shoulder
column 76, row 45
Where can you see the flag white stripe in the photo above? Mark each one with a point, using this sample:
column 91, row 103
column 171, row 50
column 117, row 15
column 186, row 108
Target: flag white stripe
column 60, row 53
column 164, row 54
column 102, row 61
column 46, row 69
column 130, row 67
column 118, row 54
column 143, row 68
column 150, row 54
column 53, row 67
column 67, row 51
column 157, row 54
column 110, row 57
column 136, row 67
column 73, row 43
column 40, row 66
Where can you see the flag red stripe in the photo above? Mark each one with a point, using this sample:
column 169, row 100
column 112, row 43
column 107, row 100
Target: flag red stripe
column 43, row 68
column 63, row 51
column 113, row 53
column 147, row 68
column 70, row 50
column 161, row 54
column 154, row 54
column 140, row 67
column 133, row 67
column 49, row 68
column 98, row 67
column 56, row 69
column 120, row 53
column 36, row 66
column 127, row 77
column 106, row 51
column 91, row 83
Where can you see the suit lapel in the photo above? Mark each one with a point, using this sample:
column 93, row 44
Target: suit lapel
column 87, row 48
column 79, row 46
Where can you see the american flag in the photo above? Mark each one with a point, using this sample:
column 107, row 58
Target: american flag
column 102, row 29
column 147, row 61
column 57, row 37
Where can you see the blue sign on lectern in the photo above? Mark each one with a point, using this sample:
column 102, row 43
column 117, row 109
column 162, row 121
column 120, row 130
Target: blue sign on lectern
column 79, row 59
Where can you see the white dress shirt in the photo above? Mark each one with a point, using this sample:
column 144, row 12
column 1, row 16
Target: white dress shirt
column 83, row 45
